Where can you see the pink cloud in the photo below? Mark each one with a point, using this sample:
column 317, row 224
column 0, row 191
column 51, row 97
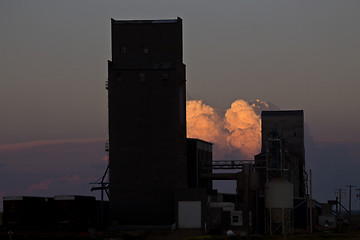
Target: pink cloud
column 42, row 143
column 40, row 186
column 77, row 179
column 71, row 179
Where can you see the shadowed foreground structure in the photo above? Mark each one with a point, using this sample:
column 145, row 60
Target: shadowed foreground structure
column 147, row 121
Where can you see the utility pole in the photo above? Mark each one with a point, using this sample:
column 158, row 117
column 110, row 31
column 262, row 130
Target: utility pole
column 350, row 186
column 311, row 204
column 340, row 192
column 358, row 196
column 337, row 215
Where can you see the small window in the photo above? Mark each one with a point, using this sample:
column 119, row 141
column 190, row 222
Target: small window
column 119, row 77
column 168, row 50
column 145, row 49
column 235, row 219
column 122, row 49
column 165, row 76
column 142, row 77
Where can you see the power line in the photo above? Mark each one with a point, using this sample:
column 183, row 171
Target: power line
column 340, row 193
column 350, row 186
column 358, row 196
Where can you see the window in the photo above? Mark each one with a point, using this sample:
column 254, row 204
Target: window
column 119, row 77
column 165, row 76
column 235, row 219
column 122, row 49
column 145, row 49
column 168, row 50
column 142, row 77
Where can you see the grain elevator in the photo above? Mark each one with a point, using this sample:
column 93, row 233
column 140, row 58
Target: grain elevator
column 147, row 121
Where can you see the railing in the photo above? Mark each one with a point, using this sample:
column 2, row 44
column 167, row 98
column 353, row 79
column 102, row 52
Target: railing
column 227, row 164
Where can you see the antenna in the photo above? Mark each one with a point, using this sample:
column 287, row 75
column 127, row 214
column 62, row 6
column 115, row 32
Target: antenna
column 350, row 186
column 104, row 186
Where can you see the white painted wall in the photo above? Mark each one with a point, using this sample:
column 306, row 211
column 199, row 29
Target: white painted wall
column 189, row 214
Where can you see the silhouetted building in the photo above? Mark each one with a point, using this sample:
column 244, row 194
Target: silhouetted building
column 74, row 212
column 199, row 160
column 27, row 213
column 282, row 148
column 147, row 121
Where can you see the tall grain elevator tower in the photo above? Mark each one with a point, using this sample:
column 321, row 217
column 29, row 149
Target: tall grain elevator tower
column 283, row 144
column 147, row 121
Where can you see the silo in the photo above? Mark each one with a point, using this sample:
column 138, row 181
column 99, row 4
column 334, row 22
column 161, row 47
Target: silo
column 279, row 206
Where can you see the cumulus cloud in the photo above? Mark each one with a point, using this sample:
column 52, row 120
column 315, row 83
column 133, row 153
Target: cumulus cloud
column 235, row 134
column 243, row 125
column 203, row 122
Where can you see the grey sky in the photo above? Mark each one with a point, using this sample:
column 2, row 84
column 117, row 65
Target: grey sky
column 297, row 54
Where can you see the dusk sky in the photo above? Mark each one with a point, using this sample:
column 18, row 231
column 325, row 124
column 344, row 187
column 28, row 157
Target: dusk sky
column 53, row 67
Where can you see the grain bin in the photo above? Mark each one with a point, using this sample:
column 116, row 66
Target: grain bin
column 279, row 206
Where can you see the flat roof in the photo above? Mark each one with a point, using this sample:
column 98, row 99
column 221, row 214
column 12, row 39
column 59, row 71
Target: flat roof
column 198, row 140
column 283, row 113
column 148, row 66
column 146, row 21
column 18, row 198
column 72, row 197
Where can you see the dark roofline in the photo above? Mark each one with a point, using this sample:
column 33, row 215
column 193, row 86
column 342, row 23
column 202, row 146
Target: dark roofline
column 113, row 21
column 199, row 140
column 283, row 113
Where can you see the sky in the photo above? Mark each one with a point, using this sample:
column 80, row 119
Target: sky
column 53, row 68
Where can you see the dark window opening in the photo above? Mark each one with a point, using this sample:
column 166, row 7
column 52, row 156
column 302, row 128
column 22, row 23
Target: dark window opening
column 122, row 49
column 235, row 219
column 119, row 77
column 142, row 77
column 165, row 76
column 145, row 49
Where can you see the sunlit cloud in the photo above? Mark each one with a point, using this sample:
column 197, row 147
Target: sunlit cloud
column 235, row 134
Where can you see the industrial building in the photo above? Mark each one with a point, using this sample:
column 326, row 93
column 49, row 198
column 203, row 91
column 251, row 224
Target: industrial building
column 21, row 212
column 147, row 121
column 282, row 150
column 58, row 213
column 199, row 161
column 159, row 178
column 281, row 168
